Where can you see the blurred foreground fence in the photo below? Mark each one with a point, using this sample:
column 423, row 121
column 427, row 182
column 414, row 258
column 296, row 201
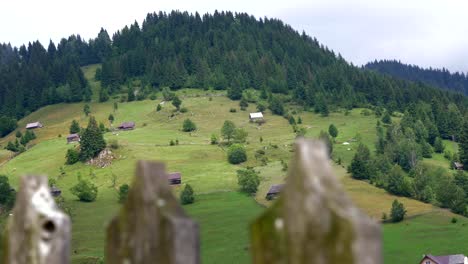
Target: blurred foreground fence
column 313, row 221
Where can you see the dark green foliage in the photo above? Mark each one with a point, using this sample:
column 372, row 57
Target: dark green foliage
column 333, row 131
column 387, row 119
column 299, row 120
column 184, row 110
column 11, row 147
column 441, row 78
column 130, row 93
column 158, row 108
column 228, row 130
column 6, row 125
column 234, row 93
column 454, row 220
column 92, row 141
column 116, row 106
column 188, row 126
column 72, row 157
column 248, row 180
column 463, row 146
column 360, row 165
column 123, row 192
column 103, row 95
column 439, row 145
column 86, row 109
column 111, row 118
column 276, row 106
column 397, row 182
column 236, row 154
column 214, row 139
column 426, row 150
column 176, row 102
column 232, row 110
column 7, row 194
column 291, row 120
column 74, row 127
column 397, row 212
column 243, row 103
column 18, row 134
column 187, row 195
column 113, row 144
column 85, row 190
column 261, row 107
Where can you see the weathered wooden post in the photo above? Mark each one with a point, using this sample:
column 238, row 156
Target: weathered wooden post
column 152, row 227
column 313, row 221
column 37, row 231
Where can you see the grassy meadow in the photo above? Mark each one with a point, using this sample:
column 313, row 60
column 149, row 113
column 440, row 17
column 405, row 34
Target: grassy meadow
column 223, row 213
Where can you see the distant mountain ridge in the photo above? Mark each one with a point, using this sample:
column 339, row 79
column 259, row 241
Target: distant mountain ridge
column 442, row 78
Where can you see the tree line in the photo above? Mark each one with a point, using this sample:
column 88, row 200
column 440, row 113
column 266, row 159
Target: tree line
column 442, row 78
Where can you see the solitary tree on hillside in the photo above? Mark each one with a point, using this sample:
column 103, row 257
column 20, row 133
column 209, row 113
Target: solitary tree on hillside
column 74, row 127
column 359, row 167
column 228, row 130
column 116, row 106
column 188, row 126
column 398, row 211
column 111, row 118
column 92, row 142
column 86, row 109
column 176, row 102
column 333, row 131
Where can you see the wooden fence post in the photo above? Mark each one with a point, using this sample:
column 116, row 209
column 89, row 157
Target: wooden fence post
column 37, row 231
column 313, row 221
column 152, row 227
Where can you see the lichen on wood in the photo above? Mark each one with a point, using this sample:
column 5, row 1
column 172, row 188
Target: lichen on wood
column 313, row 221
column 37, row 231
column 152, row 227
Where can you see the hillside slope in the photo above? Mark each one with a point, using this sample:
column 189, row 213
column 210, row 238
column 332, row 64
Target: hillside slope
column 202, row 165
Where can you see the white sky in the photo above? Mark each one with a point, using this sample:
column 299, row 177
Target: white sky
column 423, row 32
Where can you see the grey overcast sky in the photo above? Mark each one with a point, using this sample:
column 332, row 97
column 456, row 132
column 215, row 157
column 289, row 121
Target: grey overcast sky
column 423, row 32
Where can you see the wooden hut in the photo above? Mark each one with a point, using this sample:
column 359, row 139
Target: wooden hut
column 458, row 165
column 55, row 192
column 274, row 191
column 256, row 117
column 34, row 125
column 127, row 126
column 73, row 138
column 174, row 178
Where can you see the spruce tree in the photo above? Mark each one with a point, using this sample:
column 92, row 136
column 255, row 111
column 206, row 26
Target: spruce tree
column 92, row 141
column 359, row 167
column 333, row 131
column 74, row 127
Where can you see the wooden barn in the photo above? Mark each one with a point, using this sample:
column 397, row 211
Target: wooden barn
column 55, row 192
column 174, row 178
column 34, row 125
column 458, row 165
column 73, row 138
column 127, row 126
column 256, row 117
column 274, row 191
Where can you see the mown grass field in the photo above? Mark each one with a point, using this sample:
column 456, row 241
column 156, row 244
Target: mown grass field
column 223, row 213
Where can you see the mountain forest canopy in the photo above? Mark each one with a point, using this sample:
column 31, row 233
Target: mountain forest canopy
column 441, row 78
column 224, row 51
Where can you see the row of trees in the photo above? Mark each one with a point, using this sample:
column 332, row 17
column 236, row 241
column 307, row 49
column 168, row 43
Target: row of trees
column 396, row 165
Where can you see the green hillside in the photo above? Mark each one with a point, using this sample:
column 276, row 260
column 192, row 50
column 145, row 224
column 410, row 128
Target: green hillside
column 224, row 214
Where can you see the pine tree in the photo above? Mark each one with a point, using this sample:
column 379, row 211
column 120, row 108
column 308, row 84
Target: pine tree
column 333, row 131
column 92, row 141
column 398, row 211
column 86, row 109
column 359, row 167
column 74, row 127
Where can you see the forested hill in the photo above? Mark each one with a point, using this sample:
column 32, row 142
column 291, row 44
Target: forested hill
column 222, row 50
column 457, row 82
column 236, row 51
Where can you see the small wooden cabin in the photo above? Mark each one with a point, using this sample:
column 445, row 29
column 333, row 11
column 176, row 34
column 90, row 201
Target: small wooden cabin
column 458, row 165
column 34, row 125
column 174, row 178
column 274, row 191
column 73, row 138
column 55, row 192
column 256, row 117
column 447, row 259
column 127, row 126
